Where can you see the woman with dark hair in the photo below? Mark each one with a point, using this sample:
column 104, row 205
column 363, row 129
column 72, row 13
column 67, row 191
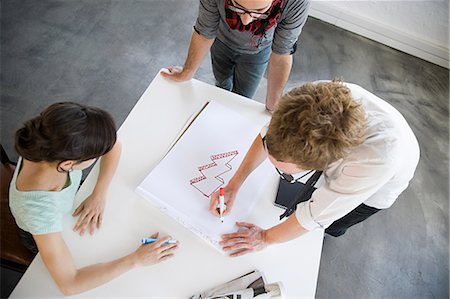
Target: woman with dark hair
column 54, row 148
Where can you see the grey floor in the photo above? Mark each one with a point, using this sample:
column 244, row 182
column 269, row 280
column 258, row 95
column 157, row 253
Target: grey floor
column 105, row 53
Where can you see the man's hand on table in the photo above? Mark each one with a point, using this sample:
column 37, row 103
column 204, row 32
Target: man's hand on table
column 248, row 238
column 176, row 73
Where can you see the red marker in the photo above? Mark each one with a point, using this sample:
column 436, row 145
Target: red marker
column 221, row 203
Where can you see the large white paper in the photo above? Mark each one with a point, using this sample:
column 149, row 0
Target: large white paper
column 203, row 160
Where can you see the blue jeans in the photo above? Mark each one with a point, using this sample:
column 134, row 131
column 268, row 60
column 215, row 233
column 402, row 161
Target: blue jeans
column 237, row 72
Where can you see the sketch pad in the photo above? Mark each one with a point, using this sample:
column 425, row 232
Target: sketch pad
column 204, row 159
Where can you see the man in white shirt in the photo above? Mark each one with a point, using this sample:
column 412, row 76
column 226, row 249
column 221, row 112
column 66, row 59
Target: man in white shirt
column 364, row 146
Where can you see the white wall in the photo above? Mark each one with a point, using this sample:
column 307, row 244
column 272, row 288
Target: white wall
column 420, row 28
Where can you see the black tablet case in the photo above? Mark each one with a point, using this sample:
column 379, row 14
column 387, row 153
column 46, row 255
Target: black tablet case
column 287, row 191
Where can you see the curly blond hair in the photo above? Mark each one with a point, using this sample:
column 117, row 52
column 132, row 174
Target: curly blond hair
column 315, row 125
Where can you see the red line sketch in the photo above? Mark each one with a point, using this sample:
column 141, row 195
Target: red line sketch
column 211, row 179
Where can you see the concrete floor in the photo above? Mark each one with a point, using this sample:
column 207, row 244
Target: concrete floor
column 105, row 53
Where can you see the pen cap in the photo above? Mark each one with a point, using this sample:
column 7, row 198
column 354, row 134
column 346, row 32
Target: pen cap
column 221, row 192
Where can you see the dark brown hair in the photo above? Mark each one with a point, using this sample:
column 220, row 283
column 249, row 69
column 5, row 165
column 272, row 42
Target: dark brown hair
column 315, row 125
column 66, row 131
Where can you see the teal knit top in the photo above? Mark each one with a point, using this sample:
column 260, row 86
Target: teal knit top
column 41, row 212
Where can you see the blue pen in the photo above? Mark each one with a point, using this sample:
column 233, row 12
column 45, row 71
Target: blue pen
column 152, row 240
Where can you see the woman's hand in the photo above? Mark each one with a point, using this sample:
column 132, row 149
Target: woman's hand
column 149, row 254
column 90, row 213
column 248, row 238
column 230, row 196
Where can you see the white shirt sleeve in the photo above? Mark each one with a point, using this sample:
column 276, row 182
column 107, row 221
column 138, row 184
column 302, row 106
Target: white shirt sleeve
column 351, row 184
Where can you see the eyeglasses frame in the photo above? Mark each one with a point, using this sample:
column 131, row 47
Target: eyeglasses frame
column 242, row 11
column 284, row 176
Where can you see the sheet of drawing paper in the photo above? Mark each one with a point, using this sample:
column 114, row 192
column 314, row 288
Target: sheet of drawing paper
column 202, row 161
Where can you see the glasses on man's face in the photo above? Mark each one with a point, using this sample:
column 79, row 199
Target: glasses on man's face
column 241, row 11
column 289, row 177
column 284, row 176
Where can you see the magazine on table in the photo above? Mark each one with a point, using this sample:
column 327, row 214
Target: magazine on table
column 250, row 285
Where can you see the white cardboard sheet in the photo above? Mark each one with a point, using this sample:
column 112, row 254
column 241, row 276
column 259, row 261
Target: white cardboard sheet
column 203, row 160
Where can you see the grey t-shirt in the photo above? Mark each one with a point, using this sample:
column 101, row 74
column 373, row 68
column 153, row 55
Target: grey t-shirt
column 211, row 23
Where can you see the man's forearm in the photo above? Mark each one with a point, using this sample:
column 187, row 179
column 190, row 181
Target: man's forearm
column 254, row 157
column 198, row 49
column 277, row 75
column 283, row 232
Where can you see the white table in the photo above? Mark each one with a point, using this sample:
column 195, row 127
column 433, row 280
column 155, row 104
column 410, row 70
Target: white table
column 146, row 135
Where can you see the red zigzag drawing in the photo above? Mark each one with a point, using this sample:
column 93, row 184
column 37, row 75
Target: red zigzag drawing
column 210, row 179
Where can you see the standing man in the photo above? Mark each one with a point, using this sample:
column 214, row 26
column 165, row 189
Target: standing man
column 244, row 37
column 364, row 146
